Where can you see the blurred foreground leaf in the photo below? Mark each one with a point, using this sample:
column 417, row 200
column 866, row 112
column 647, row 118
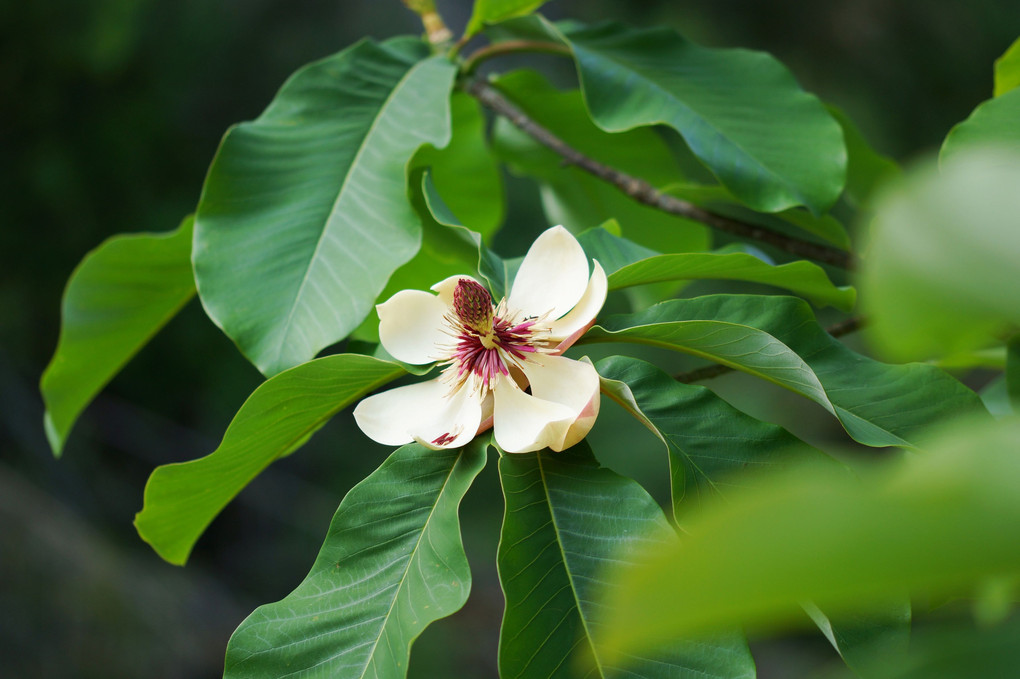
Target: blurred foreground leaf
column 391, row 564
column 120, row 295
column 943, row 520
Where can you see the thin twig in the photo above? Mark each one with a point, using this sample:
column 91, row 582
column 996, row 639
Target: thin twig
column 473, row 60
column 643, row 192
column 715, row 370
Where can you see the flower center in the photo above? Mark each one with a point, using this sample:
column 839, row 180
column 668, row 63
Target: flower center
column 487, row 340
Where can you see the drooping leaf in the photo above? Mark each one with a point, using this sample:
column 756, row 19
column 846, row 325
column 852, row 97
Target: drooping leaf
column 304, row 214
column 391, row 564
column 1007, row 70
column 492, row 11
column 992, row 124
column 742, row 114
column 933, row 521
column 566, row 520
column 941, row 278
column 278, row 418
column 466, row 172
column 708, row 440
column 801, row 277
column 571, row 196
column 120, row 295
column 878, row 404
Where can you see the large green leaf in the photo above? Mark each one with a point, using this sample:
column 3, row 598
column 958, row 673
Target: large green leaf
column 941, row 278
column 742, row 114
column 877, row 404
column 120, row 295
column 1007, row 70
column 708, row 440
column 942, row 521
column 491, row 11
column 801, row 277
column 992, row 124
column 866, row 168
column 566, row 520
column 304, row 213
column 571, row 196
column 392, row 563
column 465, row 172
column 279, row 417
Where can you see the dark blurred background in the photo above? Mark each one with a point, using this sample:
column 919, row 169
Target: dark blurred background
column 110, row 111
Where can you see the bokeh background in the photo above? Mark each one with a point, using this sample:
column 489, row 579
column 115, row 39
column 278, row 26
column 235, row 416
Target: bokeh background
column 110, row 111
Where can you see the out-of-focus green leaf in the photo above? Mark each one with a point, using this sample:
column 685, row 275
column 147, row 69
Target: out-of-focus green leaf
column 941, row 277
column 120, row 295
column 1007, row 70
column 991, row 125
column 801, row 277
column 391, row 564
column 743, row 115
column 864, row 639
column 708, row 440
column 866, row 168
column 466, row 172
column 566, row 519
column 935, row 521
column 877, row 404
column 278, row 418
column 1013, row 370
column 304, row 213
column 576, row 199
column 491, row 11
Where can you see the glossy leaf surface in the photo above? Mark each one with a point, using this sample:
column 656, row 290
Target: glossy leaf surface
column 878, row 404
column 992, row 124
column 708, row 440
column 571, row 196
column 942, row 277
column 491, row 11
column 120, row 295
column 304, row 214
column 391, row 564
column 929, row 521
column 567, row 520
column 279, row 417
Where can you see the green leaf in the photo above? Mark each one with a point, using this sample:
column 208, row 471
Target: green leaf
column 612, row 252
column 277, row 419
column 932, row 521
column 801, row 277
column 941, row 277
column 120, row 295
column 866, row 167
column 742, row 114
column 491, row 11
column 392, row 563
column 992, row 124
column 566, row 520
column 867, row 640
column 1013, row 370
column 571, row 196
column 708, row 440
column 304, row 214
column 465, row 172
column 1007, row 70
column 877, row 404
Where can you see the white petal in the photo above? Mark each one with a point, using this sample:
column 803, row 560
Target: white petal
column 552, row 277
column 581, row 316
column 523, row 423
column 570, row 383
column 425, row 412
column 411, row 326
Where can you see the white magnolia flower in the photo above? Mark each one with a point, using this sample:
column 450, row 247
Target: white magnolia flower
column 494, row 354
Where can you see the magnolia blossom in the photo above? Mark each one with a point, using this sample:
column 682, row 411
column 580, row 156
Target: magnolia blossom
column 502, row 366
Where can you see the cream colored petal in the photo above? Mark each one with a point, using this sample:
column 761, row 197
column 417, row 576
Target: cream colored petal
column 523, row 423
column 411, row 326
column 574, row 384
column 580, row 317
column 552, row 277
column 424, row 411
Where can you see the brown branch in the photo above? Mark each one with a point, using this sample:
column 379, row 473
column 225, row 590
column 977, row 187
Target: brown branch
column 643, row 192
column 473, row 60
column 715, row 370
